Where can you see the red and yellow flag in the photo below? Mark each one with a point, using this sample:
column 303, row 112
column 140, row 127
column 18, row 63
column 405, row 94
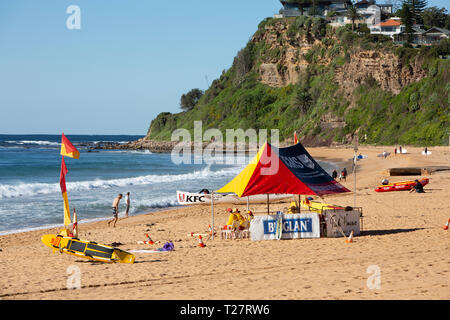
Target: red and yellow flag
column 295, row 137
column 62, row 183
column 67, row 148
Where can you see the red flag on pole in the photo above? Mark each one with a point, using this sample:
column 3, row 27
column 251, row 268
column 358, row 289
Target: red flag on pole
column 62, row 183
column 67, row 148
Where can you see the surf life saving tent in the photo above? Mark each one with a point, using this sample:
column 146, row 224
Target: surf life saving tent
column 289, row 170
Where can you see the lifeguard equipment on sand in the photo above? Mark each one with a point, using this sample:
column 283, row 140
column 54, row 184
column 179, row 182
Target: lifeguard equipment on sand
column 335, row 220
column 200, row 242
column 447, row 224
column 350, row 238
column 149, row 240
column 400, row 186
column 290, row 171
column 87, row 249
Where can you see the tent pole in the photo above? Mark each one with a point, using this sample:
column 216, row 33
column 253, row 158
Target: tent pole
column 248, row 201
column 299, row 203
column 212, row 215
column 268, row 204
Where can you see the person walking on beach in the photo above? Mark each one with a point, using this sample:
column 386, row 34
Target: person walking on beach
column 127, row 201
column 334, row 174
column 115, row 210
column 343, row 174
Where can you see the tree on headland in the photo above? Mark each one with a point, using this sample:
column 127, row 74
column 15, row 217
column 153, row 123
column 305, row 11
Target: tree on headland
column 190, row 99
column 407, row 18
column 302, row 99
column 435, row 17
column 353, row 14
column 416, row 7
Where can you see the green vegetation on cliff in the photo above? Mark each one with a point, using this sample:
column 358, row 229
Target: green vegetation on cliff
column 315, row 104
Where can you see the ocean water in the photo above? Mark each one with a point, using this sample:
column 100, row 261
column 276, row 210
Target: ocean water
column 30, row 194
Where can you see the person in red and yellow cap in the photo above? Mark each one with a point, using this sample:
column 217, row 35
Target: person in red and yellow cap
column 232, row 217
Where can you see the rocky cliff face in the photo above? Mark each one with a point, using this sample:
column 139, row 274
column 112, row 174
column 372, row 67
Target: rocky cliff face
column 386, row 68
column 287, row 53
column 285, row 57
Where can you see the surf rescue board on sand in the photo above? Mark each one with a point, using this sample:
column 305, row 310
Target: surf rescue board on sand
column 400, row 186
column 87, row 249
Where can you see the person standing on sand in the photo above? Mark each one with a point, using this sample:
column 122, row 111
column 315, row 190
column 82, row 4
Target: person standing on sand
column 127, row 201
column 343, row 175
column 115, row 210
column 334, row 174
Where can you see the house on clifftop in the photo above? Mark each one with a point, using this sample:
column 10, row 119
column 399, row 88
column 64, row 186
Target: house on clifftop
column 295, row 8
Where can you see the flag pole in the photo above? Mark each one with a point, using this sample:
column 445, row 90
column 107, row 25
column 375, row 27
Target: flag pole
column 212, row 215
column 354, row 171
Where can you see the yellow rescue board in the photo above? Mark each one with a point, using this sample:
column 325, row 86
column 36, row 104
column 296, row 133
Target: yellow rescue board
column 318, row 206
column 86, row 249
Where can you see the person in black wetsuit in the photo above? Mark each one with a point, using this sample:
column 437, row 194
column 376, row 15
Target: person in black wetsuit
column 418, row 187
column 334, row 174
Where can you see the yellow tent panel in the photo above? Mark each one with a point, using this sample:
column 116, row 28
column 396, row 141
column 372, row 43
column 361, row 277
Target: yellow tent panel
column 239, row 183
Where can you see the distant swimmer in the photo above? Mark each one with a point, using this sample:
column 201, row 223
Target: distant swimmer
column 115, row 210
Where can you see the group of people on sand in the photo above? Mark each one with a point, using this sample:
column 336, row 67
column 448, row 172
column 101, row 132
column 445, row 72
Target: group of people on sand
column 399, row 150
column 115, row 208
column 342, row 176
column 236, row 218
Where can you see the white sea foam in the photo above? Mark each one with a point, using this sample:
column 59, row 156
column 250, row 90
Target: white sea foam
column 33, row 189
column 38, row 142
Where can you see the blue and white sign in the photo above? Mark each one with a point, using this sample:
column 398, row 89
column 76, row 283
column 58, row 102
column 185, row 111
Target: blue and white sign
column 300, row 225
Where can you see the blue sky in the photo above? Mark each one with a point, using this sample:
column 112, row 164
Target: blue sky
column 129, row 61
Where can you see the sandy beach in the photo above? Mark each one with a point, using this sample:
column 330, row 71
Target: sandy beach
column 403, row 239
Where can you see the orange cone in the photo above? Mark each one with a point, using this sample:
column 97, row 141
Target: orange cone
column 447, row 224
column 150, row 241
column 350, row 238
column 200, row 242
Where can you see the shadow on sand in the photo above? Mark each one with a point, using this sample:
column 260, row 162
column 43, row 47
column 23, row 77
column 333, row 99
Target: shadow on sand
column 385, row 232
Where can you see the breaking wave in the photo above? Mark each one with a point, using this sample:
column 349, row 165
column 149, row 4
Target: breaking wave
column 33, row 189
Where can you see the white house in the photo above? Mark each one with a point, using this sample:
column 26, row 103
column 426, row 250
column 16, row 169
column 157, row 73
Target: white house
column 391, row 27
